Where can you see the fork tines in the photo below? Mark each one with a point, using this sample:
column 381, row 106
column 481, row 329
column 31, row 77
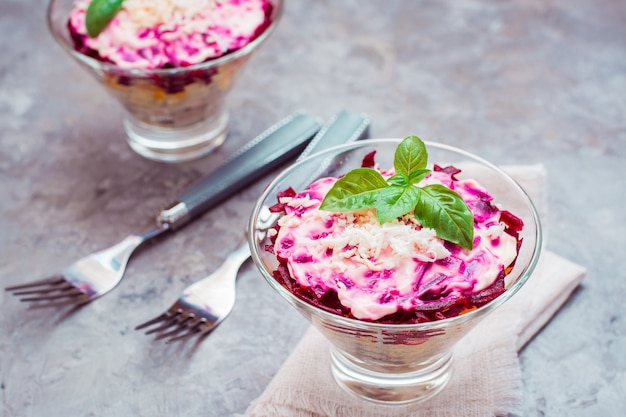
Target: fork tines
column 178, row 325
column 55, row 291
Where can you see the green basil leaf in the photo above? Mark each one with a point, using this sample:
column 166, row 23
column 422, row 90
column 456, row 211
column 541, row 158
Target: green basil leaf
column 399, row 179
column 418, row 175
column 410, row 156
column 355, row 191
column 443, row 210
column 395, row 201
column 99, row 14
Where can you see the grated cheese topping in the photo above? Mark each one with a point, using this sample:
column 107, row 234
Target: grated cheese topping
column 150, row 13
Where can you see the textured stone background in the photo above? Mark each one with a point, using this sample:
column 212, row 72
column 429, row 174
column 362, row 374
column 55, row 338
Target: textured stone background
column 515, row 81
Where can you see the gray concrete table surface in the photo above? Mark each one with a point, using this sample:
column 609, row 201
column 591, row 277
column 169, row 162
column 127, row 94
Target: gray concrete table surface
column 515, row 81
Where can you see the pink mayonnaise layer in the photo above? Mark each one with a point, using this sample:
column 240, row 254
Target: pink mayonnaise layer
column 149, row 34
column 377, row 270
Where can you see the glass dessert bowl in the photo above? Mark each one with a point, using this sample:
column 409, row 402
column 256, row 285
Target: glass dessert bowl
column 172, row 114
column 391, row 361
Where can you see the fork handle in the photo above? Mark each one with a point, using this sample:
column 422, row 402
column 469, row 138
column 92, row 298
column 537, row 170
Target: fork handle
column 270, row 149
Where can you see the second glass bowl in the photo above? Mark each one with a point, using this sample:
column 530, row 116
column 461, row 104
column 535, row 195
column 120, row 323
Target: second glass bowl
column 171, row 115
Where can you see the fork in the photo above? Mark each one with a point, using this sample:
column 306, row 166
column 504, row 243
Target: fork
column 98, row 273
column 205, row 304
column 87, row 278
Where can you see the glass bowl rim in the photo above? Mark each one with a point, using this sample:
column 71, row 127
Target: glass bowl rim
column 107, row 66
column 524, row 274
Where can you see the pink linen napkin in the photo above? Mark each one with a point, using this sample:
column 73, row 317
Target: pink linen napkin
column 486, row 379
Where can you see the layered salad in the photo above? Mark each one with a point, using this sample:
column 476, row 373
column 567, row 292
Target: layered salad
column 154, row 35
column 403, row 244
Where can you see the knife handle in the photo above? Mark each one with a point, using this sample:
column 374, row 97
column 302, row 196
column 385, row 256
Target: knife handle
column 275, row 146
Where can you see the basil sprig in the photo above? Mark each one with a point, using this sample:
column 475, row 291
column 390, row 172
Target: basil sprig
column 435, row 206
column 99, row 14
